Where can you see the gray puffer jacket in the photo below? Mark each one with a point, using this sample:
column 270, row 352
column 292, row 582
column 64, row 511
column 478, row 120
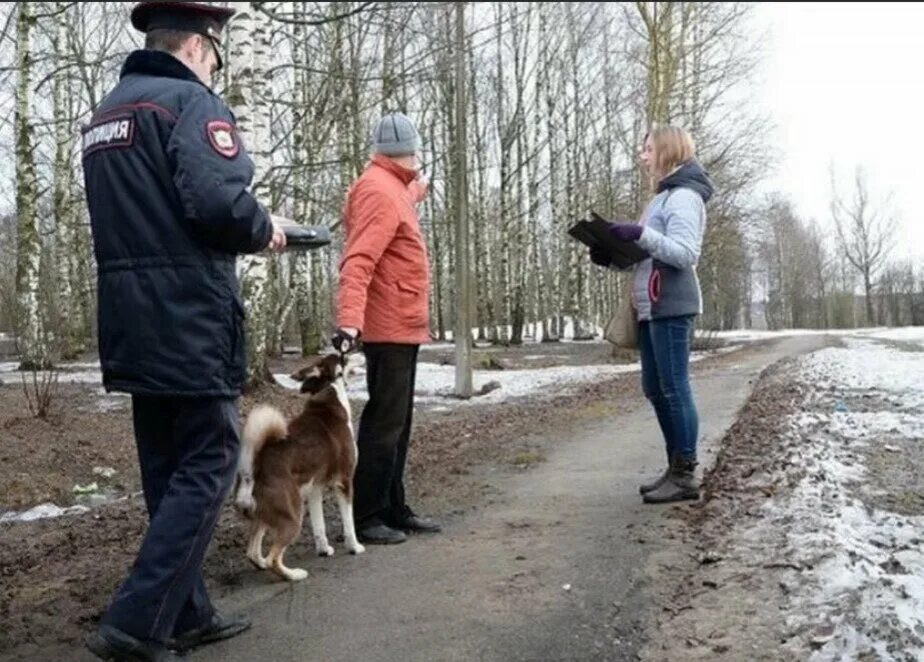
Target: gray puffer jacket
column 666, row 284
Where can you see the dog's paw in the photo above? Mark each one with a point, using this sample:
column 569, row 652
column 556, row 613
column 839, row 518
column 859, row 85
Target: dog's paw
column 296, row 574
column 357, row 549
column 325, row 551
column 259, row 561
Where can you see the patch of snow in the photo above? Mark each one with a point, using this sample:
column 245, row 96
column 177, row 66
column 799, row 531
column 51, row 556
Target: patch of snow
column 913, row 334
column 81, row 366
column 864, row 566
column 286, row 381
column 105, row 472
column 77, row 377
column 866, row 366
column 751, row 335
column 42, row 511
column 436, row 383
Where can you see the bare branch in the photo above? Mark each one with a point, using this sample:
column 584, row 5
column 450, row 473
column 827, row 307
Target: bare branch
column 261, row 6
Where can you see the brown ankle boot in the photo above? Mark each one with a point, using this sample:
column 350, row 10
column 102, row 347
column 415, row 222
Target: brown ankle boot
column 645, row 488
column 680, row 485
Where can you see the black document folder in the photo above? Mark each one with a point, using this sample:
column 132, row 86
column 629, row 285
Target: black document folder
column 596, row 234
column 306, row 237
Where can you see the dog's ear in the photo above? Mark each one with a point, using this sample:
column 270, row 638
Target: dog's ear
column 311, row 369
column 313, row 384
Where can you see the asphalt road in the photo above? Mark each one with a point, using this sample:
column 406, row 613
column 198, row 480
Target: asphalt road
column 549, row 566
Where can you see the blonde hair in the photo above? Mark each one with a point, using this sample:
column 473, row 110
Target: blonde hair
column 673, row 146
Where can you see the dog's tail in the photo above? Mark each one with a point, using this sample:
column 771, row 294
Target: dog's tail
column 264, row 425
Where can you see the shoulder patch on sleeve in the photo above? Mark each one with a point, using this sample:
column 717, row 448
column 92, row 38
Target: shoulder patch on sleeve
column 108, row 133
column 223, row 138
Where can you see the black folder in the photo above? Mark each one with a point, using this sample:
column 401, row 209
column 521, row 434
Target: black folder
column 596, row 234
column 306, row 237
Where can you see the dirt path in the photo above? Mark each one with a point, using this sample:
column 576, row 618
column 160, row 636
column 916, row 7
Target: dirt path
column 550, row 565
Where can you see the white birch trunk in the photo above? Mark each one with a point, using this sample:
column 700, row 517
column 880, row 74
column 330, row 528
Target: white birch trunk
column 485, row 308
column 247, row 58
column 67, row 316
column 554, row 330
column 301, row 280
column 537, row 282
column 33, row 350
column 504, row 165
column 522, row 211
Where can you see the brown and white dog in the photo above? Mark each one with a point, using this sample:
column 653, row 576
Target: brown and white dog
column 285, row 463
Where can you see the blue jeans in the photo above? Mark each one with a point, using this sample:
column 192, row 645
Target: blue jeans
column 665, row 350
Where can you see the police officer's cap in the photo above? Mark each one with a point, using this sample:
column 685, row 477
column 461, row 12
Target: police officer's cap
column 198, row 17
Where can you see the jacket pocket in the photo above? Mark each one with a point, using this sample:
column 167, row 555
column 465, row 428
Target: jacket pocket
column 407, row 289
column 654, row 285
column 412, row 301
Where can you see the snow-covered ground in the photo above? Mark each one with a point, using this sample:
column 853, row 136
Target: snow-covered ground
column 863, row 566
column 435, row 383
column 42, row 511
column 752, row 335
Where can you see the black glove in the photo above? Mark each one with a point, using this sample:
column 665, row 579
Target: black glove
column 599, row 257
column 344, row 342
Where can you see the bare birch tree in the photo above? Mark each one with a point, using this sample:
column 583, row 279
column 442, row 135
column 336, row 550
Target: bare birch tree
column 557, row 99
column 244, row 93
column 865, row 231
column 29, row 248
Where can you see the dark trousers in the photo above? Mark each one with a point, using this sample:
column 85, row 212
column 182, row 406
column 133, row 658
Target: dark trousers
column 384, row 433
column 664, row 346
column 188, row 451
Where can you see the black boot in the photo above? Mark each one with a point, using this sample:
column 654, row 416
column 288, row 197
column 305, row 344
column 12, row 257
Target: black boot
column 645, row 488
column 108, row 643
column 377, row 533
column 409, row 522
column 680, row 486
column 217, row 628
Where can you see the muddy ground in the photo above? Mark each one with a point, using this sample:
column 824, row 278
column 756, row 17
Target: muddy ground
column 721, row 578
column 56, row 575
column 730, row 595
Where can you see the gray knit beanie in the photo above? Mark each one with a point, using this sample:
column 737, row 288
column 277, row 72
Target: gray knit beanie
column 395, row 135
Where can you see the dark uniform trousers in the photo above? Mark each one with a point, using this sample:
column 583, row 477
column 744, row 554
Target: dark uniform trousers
column 188, row 451
column 384, row 433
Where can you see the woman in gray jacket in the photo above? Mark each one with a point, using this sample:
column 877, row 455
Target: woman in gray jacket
column 667, row 298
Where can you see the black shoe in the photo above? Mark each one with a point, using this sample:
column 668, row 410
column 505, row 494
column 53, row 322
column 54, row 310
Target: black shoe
column 218, row 627
column 379, row 534
column 108, row 643
column 417, row 524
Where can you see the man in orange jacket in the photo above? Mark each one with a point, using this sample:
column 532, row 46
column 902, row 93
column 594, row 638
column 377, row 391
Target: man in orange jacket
column 383, row 297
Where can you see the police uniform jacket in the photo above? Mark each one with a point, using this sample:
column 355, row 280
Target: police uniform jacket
column 167, row 184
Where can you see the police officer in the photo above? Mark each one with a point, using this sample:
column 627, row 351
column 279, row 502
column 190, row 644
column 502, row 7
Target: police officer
column 167, row 184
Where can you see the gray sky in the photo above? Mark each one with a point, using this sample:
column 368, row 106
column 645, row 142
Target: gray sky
column 844, row 82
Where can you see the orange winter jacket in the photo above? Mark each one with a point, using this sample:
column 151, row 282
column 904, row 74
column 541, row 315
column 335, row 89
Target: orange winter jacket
column 384, row 288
